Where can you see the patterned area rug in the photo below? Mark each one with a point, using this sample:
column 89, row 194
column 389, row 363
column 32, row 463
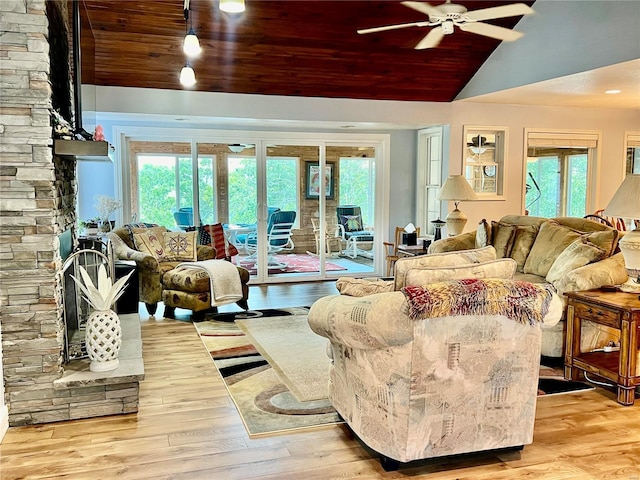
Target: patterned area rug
column 552, row 382
column 264, row 402
column 258, row 390
column 293, row 263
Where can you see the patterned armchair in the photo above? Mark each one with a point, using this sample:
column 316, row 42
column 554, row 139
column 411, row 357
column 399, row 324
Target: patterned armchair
column 414, row 380
column 153, row 259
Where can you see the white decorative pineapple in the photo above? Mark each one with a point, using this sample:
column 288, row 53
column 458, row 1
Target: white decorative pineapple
column 103, row 335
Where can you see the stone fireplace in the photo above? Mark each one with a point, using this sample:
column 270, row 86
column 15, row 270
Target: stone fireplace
column 37, row 204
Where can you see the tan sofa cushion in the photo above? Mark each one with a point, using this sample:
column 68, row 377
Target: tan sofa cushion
column 503, row 268
column 502, row 236
column 550, row 242
column 522, row 243
column 579, row 253
column 461, row 257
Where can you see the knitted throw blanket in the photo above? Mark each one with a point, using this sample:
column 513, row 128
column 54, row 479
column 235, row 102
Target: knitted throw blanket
column 522, row 302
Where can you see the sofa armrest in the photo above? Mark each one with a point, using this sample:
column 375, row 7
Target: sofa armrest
column 609, row 271
column 124, row 252
column 464, row 241
column 373, row 322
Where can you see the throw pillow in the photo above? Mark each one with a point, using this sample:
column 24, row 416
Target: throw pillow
column 502, row 236
column 483, row 234
column 180, row 246
column 131, row 226
column 502, row 268
column 576, row 255
column 351, row 223
column 203, row 236
column 550, row 242
column 223, row 248
column 462, row 257
column 607, row 240
column 522, row 242
column 150, row 243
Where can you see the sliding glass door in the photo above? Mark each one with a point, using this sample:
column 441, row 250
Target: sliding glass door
column 294, row 209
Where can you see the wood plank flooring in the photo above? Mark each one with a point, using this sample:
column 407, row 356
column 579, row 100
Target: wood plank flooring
column 188, row 428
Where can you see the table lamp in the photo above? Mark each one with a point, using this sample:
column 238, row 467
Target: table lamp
column 625, row 204
column 456, row 189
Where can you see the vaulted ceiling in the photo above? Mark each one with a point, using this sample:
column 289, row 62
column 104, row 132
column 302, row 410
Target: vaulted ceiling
column 293, row 48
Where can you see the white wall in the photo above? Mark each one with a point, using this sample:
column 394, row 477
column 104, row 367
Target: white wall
column 400, row 119
column 563, row 37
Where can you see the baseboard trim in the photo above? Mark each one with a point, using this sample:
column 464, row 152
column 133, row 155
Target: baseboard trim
column 4, row 421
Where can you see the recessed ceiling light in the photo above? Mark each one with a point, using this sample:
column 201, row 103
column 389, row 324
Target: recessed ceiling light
column 347, row 126
column 612, row 92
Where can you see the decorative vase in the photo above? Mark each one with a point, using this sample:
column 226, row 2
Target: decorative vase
column 103, row 339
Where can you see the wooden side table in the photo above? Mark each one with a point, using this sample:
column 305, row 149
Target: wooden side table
column 614, row 309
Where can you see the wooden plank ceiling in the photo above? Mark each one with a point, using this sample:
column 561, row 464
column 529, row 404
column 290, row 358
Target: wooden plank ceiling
column 293, row 48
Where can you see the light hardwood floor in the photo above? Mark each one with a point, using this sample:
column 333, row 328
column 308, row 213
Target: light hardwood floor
column 188, row 428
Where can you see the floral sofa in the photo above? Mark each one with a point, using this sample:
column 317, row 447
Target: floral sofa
column 157, row 251
column 570, row 253
column 438, row 369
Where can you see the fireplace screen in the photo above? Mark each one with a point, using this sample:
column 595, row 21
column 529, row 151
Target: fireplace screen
column 76, row 309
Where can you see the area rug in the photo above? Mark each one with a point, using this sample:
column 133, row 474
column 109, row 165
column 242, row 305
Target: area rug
column 263, row 388
column 293, row 263
column 264, row 402
column 552, row 382
column 298, row 355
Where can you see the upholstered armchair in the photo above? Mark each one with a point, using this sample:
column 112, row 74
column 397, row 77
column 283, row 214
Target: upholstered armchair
column 440, row 369
column 153, row 260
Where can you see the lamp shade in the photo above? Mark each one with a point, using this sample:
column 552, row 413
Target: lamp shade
column 191, row 45
column 457, row 189
column 626, row 201
column 232, row 6
column 187, row 76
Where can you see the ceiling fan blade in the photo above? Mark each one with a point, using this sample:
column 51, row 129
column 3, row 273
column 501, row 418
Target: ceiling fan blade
column 502, row 11
column 432, row 39
column 423, row 7
column 390, row 27
column 492, row 31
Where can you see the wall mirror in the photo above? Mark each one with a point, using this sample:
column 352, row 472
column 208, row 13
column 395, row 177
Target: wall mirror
column 632, row 152
column 485, row 160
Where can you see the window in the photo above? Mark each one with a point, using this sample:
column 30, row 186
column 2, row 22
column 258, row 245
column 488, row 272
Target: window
column 165, row 184
column 558, row 173
column 283, row 181
column 429, row 177
column 357, row 185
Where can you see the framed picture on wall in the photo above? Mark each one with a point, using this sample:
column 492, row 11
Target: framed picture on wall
column 313, row 181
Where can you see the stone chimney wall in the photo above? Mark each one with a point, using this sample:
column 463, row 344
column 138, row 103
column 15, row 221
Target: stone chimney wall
column 37, row 202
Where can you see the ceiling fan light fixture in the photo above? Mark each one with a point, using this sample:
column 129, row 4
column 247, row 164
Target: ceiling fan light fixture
column 236, row 147
column 187, row 76
column 232, row 6
column 447, row 27
column 191, row 45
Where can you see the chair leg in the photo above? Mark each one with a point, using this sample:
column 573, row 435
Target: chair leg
column 169, row 312
column 151, row 308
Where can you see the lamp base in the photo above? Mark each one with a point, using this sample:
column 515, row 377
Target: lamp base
column 456, row 220
column 630, row 247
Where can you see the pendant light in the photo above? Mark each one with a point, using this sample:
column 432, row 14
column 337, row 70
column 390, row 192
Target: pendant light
column 232, row 6
column 191, row 45
column 187, row 76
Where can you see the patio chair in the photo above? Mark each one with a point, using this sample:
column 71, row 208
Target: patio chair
column 278, row 237
column 184, row 218
column 353, row 231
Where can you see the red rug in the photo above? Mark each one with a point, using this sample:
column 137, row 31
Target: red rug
column 295, row 263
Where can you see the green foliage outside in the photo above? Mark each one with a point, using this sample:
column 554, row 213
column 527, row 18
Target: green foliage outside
column 545, row 171
column 157, row 194
column 356, row 186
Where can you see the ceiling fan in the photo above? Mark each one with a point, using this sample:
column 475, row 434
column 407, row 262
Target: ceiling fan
column 449, row 15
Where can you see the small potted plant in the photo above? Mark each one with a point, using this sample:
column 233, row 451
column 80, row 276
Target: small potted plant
column 90, row 226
